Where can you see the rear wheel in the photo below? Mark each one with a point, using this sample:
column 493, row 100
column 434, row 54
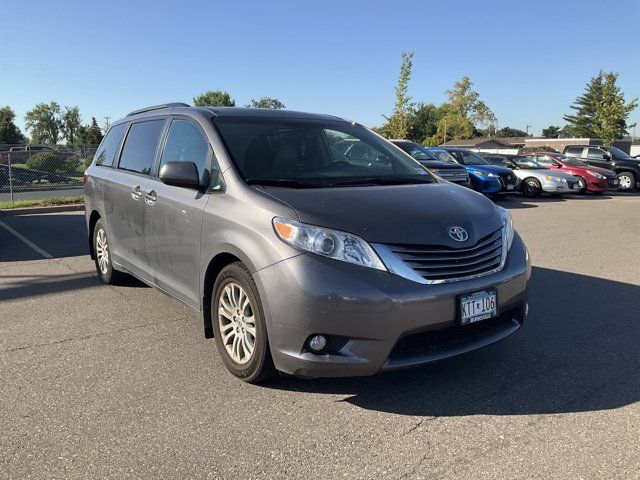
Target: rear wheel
column 627, row 182
column 239, row 328
column 531, row 187
column 103, row 257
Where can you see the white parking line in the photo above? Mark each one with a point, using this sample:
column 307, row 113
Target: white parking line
column 25, row 240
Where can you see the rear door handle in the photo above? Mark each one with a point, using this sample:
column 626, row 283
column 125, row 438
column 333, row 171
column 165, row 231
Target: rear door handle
column 136, row 193
column 150, row 197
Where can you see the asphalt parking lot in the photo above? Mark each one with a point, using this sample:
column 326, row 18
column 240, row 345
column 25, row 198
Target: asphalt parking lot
column 118, row 382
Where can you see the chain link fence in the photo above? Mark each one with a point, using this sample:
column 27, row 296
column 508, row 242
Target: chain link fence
column 42, row 173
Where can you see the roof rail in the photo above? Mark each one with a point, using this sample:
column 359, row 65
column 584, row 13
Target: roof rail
column 158, row 107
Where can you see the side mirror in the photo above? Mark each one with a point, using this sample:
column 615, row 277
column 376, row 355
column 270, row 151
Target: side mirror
column 180, row 174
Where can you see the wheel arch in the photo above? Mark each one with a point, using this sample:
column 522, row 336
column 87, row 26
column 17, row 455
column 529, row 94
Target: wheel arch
column 93, row 219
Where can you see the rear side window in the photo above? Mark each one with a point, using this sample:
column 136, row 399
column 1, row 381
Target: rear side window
column 107, row 151
column 186, row 143
column 140, row 146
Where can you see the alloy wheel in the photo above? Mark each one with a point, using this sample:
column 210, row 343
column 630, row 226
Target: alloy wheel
column 102, row 251
column 237, row 323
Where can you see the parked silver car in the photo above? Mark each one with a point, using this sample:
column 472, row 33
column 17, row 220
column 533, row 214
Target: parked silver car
column 535, row 177
column 299, row 260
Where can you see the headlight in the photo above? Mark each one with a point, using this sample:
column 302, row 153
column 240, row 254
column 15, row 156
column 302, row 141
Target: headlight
column 507, row 230
column 597, row 175
column 480, row 173
column 328, row 243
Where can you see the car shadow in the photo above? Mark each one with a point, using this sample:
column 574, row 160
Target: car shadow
column 577, row 351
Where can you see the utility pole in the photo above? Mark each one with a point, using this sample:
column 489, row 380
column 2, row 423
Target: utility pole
column 445, row 131
column 106, row 124
column 528, row 127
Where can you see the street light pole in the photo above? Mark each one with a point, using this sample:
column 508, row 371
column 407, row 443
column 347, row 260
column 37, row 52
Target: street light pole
column 528, row 127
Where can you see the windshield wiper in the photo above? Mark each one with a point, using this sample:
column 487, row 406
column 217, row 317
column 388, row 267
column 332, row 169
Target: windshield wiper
column 381, row 181
column 281, row 182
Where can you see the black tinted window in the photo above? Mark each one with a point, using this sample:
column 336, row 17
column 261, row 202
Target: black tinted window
column 186, row 143
column 109, row 146
column 574, row 150
column 140, row 146
column 595, row 153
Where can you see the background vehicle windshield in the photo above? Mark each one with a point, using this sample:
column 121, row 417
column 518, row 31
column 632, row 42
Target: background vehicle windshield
column 416, row 151
column 617, row 152
column 574, row 162
column 470, row 158
column 444, row 156
column 527, row 163
column 314, row 153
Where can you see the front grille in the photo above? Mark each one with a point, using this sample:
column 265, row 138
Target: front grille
column 507, row 179
column 438, row 342
column 451, row 174
column 442, row 263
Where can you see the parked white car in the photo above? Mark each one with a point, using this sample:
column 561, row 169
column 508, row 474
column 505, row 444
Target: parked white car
column 535, row 177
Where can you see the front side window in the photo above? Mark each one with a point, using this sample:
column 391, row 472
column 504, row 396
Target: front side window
column 444, row 156
column 545, row 160
column 304, row 153
column 186, row 143
column 595, row 153
column 106, row 153
column 140, row 146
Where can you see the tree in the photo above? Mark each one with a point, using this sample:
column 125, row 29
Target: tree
column 212, row 98
column 94, row 134
column 465, row 112
column 398, row 123
column 9, row 131
column 551, row 131
column 510, row 132
column 44, row 123
column 70, row 121
column 267, row 102
column 423, row 122
column 601, row 111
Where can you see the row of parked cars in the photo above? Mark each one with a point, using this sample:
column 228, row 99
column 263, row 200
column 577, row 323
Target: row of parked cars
column 580, row 169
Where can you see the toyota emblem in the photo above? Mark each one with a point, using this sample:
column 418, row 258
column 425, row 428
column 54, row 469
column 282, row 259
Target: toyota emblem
column 459, row 234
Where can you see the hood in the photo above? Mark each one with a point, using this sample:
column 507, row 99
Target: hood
column 498, row 170
column 602, row 171
column 412, row 214
column 439, row 164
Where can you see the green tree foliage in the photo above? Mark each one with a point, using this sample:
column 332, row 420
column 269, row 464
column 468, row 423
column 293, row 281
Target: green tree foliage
column 94, row 134
column 510, row 132
column 551, row 131
column 44, row 123
column 601, row 111
column 267, row 102
column 51, row 162
column 216, row 98
column 465, row 114
column 423, row 122
column 70, row 122
column 398, row 123
column 9, row 131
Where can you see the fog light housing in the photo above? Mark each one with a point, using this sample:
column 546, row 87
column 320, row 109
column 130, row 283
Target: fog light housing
column 317, row 343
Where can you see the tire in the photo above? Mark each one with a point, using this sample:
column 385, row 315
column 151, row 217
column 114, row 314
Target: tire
column 582, row 186
column 235, row 326
column 103, row 257
column 627, row 182
column 531, row 187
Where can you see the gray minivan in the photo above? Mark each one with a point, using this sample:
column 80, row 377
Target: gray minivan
column 300, row 260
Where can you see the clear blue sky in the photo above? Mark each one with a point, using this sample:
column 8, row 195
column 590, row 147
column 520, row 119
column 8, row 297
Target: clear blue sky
column 528, row 60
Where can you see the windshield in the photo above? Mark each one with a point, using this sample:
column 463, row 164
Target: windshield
column 573, row 162
column 470, row 158
column 416, row 151
column 303, row 153
column 616, row 152
column 527, row 163
column 444, row 156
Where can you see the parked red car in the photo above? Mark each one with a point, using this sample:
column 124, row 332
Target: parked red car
column 592, row 179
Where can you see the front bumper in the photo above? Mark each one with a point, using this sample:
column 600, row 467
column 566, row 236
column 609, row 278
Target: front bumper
column 553, row 186
column 381, row 317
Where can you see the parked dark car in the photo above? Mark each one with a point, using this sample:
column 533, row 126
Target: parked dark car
column 626, row 167
column 298, row 258
column 450, row 171
column 508, row 181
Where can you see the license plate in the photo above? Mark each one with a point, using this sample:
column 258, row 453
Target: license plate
column 478, row 306
column 571, row 186
column 509, row 187
column 616, row 181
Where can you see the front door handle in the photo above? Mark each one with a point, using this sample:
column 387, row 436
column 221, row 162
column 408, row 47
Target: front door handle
column 136, row 193
column 150, row 197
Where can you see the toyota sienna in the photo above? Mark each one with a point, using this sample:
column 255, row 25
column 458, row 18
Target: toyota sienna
column 300, row 259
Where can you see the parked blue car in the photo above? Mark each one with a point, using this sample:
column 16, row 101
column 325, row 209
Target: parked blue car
column 485, row 178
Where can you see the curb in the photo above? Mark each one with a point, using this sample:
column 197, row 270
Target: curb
column 76, row 207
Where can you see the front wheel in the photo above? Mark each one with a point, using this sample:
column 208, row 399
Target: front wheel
column 531, row 187
column 582, row 185
column 239, row 328
column 627, row 182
